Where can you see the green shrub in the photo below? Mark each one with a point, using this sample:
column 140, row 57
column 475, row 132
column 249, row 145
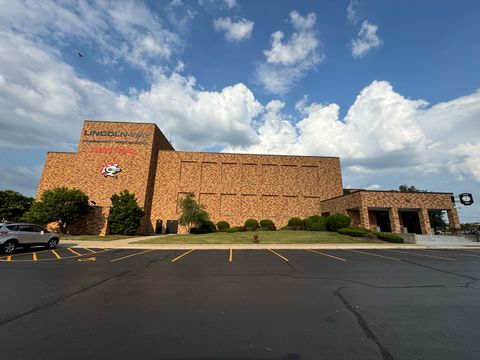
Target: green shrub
column 296, row 223
column 267, row 224
column 125, row 214
column 337, row 221
column 223, row 225
column 356, row 232
column 390, row 238
column 286, row 227
column 236, row 229
column 251, row 224
column 316, row 223
column 206, row 226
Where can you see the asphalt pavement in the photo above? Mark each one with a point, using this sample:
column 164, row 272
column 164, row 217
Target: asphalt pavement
column 240, row 304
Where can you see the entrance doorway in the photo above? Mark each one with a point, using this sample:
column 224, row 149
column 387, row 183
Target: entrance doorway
column 383, row 220
column 411, row 221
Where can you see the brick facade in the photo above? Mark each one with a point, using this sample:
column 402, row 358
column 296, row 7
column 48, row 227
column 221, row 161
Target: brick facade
column 367, row 202
column 233, row 187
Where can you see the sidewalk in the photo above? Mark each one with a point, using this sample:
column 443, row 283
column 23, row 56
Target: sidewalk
column 128, row 244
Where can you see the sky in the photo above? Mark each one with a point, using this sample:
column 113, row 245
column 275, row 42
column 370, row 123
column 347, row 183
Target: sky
column 391, row 87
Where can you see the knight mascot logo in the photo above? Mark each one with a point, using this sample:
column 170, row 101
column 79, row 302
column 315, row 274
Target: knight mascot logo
column 110, row 170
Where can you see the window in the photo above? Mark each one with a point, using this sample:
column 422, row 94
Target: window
column 37, row 228
column 26, row 228
column 12, row 227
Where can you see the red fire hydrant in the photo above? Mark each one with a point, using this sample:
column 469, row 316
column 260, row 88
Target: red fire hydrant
column 255, row 238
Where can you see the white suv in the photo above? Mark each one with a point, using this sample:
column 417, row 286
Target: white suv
column 13, row 235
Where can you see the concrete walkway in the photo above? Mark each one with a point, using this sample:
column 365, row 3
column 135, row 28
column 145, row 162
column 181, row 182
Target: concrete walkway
column 129, row 244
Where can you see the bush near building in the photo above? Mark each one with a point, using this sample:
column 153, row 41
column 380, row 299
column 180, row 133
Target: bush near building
column 251, row 224
column 316, row 223
column 60, row 204
column 192, row 213
column 205, row 227
column 295, row 223
column 125, row 214
column 390, row 238
column 236, row 229
column 337, row 221
column 267, row 224
column 223, row 225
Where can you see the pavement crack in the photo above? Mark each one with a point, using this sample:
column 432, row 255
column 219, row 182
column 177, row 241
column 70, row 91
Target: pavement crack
column 71, row 295
column 363, row 324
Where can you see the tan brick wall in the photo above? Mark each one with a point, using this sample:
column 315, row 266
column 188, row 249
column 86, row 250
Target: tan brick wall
column 235, row 187
column 392, row 200
column 102, row 143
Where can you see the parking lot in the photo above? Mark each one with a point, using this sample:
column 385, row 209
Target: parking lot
column 77, row 303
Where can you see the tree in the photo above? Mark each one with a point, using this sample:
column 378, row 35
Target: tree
column 13, row 205
column 125, row 214
column 435, row 216
column 191, row 212
column 60, row 204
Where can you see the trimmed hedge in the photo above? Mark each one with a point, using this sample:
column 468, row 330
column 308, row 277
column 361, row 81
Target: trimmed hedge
column 236, row 229
column 316, row 223
column 356, row 232
column 251, row 224
column 337, row 221
column 267, row 224
column 206, row 226
column 223, row 225
column 390, row 238
column 296, row 223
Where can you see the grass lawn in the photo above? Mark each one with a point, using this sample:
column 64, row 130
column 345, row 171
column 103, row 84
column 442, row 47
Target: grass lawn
column 265, row 237
column 94, row 237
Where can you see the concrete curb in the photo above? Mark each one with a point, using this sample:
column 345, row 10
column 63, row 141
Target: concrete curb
column 112, row 245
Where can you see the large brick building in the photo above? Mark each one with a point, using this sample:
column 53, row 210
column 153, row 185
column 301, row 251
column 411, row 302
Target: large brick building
column 113, row 156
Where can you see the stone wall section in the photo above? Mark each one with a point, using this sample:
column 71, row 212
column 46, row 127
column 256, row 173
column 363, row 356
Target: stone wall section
column 235, row 187
column 363, row 200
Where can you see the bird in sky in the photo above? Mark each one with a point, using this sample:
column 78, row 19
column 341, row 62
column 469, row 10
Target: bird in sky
column 79, row 54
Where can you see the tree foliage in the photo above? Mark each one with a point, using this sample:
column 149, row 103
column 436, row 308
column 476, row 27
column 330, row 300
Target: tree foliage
column 13, row 205
column 60, row 204
column 125, row 214
column 191, row 212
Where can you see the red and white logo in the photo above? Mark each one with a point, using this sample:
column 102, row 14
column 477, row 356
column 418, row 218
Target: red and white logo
column 110, row 169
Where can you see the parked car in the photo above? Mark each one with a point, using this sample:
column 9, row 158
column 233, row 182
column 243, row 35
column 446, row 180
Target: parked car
column 13, row 235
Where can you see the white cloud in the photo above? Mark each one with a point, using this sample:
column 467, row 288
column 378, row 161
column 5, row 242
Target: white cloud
column 229, row 4
column 105, row 31
column 382, row 131
column 43, row 103
column 367, row 39
column 21, row 178
column 234, row 30
column 373, row 187
column 352, row 11
column 287, row 61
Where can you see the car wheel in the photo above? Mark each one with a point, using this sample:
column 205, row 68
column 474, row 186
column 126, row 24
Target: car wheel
column 52, row 243
column 9, row 247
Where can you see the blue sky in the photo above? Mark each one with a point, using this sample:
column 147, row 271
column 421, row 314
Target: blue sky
column 389, row 86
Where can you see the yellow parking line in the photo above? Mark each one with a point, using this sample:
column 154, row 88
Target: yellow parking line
column 367, row 253
column 89, row 250
column 73, row 251
column 9, row 258
column 56, row 254
column 179, row 257
column 34, row 256
column 230, row 258
column 139, row 253
column 416, row 254
column 331, row 256
column 281, row 256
